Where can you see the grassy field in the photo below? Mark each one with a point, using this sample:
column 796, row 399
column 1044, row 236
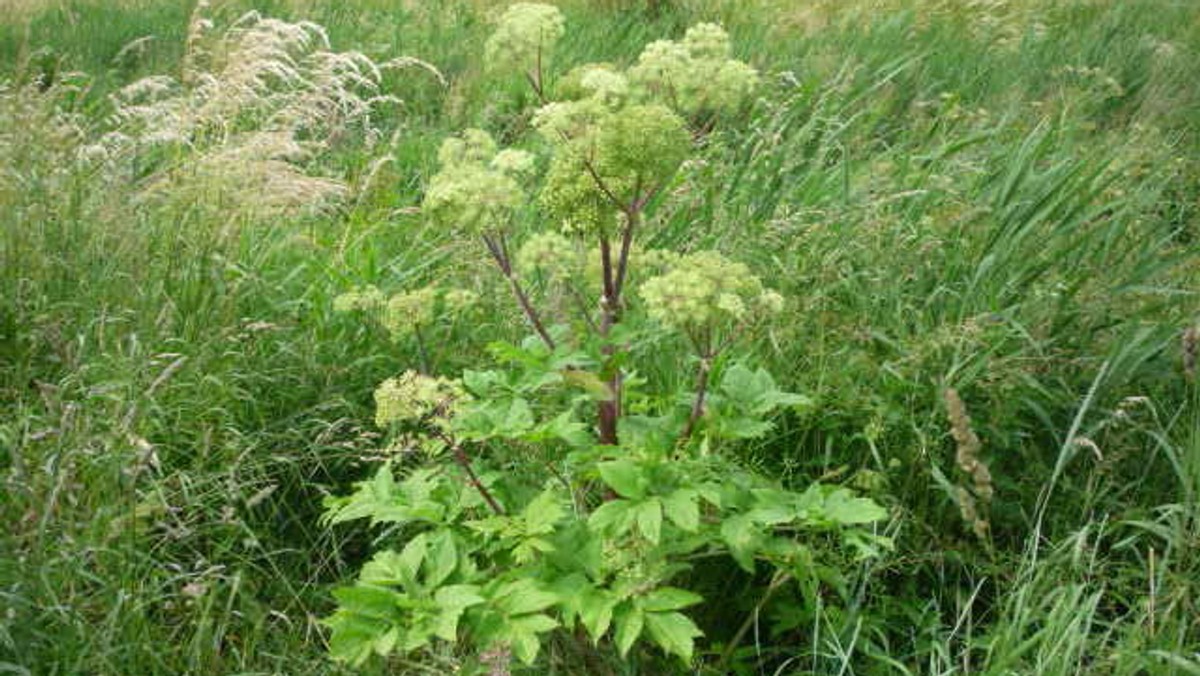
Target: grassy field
column 1002, row 198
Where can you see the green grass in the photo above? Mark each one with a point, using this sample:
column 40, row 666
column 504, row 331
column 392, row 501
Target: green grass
column 943, row 207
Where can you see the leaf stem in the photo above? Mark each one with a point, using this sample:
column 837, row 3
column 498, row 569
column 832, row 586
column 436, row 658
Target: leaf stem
column 499, row 250
column 702, row 373
column 460, row 456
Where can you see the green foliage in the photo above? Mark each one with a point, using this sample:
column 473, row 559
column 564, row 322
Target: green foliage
column 995, row 197
column 517, row 564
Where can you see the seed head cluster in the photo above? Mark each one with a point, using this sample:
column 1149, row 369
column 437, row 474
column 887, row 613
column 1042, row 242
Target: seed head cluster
column 548, row 253
column 477, row 189
column 404, row 312
column 974, row 501
column 414, row 397
column 705, row 287
column 697, row 75
column 525, row 35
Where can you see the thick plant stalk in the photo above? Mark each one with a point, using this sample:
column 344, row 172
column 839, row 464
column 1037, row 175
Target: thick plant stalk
column 702, row 374
column 609, row 411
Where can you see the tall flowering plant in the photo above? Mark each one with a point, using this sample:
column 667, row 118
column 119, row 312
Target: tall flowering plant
column 555, row 493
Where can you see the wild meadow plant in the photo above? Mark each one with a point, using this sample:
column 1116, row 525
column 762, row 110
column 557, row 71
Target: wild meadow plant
column 558, row 494
column 253, row 106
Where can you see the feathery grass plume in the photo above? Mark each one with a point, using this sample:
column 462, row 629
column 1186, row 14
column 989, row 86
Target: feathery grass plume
column 253, row 107
column 37, row 139
column 194, row 53
column 1190, row 348
column 967, row 458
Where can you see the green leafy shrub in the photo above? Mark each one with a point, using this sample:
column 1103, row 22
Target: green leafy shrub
column 512, row 517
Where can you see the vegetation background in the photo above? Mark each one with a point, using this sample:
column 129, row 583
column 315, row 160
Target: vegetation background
column 997, row 197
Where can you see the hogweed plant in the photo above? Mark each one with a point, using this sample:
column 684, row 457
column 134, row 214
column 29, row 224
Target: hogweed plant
column 556, row 493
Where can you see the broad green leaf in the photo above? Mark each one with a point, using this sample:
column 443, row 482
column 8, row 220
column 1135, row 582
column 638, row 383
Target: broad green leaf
column 576, row 547
column 742, row 537
column 570, row 589
column 542, row 513
column 742, row 427
column 410, row 559
column 441, row 559
column 353, row 637
column 481, row 420
column 458, row 596
column 773, row 506
column 523, row 633
column 630, row 620
column 523, row 596
column 867, row 545
column 669, row 598
column 525, row 647
column 383, row 486
column 596, row 611
column 368, row 601
column 625, row 477
column 453, row 600
column 386, row 568
column 649, row 519
column 528, row 549
column 656, row 435
column 841, row 506
column 755, row 392
column 711, row 492
column 564, row 428
column 675, row 633
column 589, row 382
column 482, row 383
column 385, row 644
column 614, row 516
column 682, row 509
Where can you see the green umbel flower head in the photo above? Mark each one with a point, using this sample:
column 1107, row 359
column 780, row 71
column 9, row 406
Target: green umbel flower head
column 413, row 397
column 697, row 75
column 368, row 299
column 526, row 33
column 458, row 301
column 607, row 158
column 475, row 190
column 704, row 288
column 515, row 163
column 642, row 144
column 548, row 253
column 407, row 311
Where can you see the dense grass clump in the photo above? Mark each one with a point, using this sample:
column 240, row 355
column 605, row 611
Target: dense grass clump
column 985, row 217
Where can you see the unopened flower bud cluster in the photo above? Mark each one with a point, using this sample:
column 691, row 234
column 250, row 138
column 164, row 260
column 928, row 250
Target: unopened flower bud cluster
column 706, row 287
column 524, row 34
column 404, row 312
column 414, row 397
column 696, row 74
column 476, row 189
